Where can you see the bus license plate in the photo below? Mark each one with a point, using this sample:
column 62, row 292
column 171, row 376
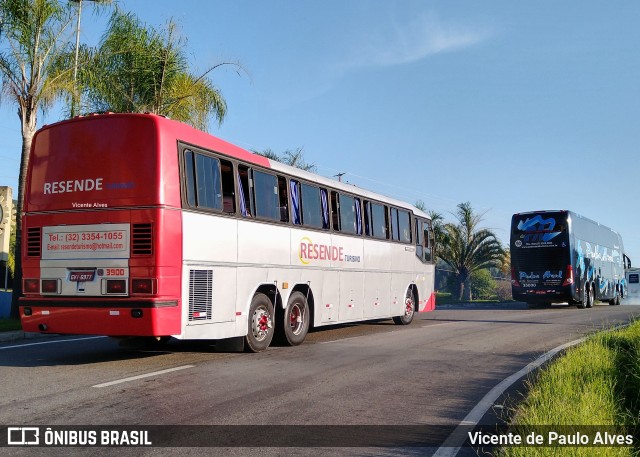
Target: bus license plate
column 82, row 276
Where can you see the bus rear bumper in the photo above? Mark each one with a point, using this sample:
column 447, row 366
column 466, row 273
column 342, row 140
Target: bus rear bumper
column 122, row 318
column 547, row 296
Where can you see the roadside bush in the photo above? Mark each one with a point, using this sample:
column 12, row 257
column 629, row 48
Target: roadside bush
column 483, row 285
column 503, row 290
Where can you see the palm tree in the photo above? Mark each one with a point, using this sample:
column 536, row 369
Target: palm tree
column 30, row 43
column 74, row 96
column 137, row 68
column 293, row 158
column 467, row 248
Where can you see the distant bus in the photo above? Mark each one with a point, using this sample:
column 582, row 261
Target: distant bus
column 137, row 225
column 560, row 256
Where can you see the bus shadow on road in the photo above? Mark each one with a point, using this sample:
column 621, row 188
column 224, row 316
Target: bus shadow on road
column 74, row 355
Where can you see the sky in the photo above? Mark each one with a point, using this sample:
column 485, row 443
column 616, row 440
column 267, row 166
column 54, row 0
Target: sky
column 512, row 106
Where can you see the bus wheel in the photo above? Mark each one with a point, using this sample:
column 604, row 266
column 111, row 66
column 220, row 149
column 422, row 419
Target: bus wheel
column 617, row 303
column 585, row 298
column 590, row 294
column 409, row 310
column 260, row 331
column 296, row 319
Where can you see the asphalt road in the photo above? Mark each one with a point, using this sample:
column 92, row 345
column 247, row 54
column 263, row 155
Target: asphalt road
column 375, row 374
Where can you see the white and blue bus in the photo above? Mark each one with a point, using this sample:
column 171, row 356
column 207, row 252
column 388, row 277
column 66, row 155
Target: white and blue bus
column 560, row 256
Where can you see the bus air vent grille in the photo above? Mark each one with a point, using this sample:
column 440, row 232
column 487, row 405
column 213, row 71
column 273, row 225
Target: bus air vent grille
column 200, row 294
column 142, row 239
column 34, row 241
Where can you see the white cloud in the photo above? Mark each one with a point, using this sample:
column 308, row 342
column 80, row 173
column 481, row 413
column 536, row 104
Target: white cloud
column 417, row 39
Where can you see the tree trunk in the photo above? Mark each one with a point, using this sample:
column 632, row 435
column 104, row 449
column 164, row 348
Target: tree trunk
column 28, row 119
column 467, row 290
column 460, row 289
column 464, row 287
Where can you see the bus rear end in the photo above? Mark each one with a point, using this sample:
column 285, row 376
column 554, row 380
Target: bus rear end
column 101, row 195
column 541, row 267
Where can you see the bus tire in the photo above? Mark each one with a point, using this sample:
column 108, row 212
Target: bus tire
column 583, row 304
column 590, row 296
column 260, row 332
column 409, row 309
column 295, row 322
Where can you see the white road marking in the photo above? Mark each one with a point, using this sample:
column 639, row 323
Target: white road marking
column 142, row 376
column 52, row 342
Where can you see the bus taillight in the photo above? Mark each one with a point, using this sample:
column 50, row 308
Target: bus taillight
column 143, row 286
column 514, row 280
column 50, row 286
column 31, row 286
column 568, row 279
column 116, row 286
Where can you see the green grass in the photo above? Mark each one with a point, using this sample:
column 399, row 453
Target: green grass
column 596, row 383
column 7, row 325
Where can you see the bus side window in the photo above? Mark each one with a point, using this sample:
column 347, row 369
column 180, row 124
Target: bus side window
column 208, row 182
column 335, row 206
column 265, row 193
column 325, row 208
column 404, row 226
column 430, row 242
column 420, row 247
column 358, row 208
column 204, row 181
column 228, row 193
column 368, row 226
column 191, row 178
column 395, row 230
column 283, row 199
column 244, row 192
column 349, row 210
column 312, row 207
column 379, row 221
column 295, row 202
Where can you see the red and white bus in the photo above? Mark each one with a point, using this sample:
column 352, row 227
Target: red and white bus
column 137, row 225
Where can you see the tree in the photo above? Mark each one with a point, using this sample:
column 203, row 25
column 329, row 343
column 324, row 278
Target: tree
column 483, row 286
column 467, row 248
column 293, row 158
column 74, row 95
column 31, row 41
column 137, row 68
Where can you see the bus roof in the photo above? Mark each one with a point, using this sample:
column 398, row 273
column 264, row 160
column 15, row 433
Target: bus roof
column 170, row 131
column 572, row 213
